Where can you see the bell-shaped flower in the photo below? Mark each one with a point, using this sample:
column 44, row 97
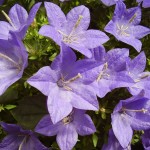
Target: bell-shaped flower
column 64, row 90
column 130, row 114
column 19, row 139
column 18, row 21
column 125, row 25
column 113, row 143
column 13, row 60
column 67, row 130
column 72, row 29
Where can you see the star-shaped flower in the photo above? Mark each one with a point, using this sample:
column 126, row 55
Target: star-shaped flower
column 67, row 130
column 19, row 21
column 13, row 60
column 130, row 114
column 125, row 25
column 72, row 29
column 63, row 87
column 20, row 139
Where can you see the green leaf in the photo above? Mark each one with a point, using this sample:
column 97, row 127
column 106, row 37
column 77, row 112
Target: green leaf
column 10, row 95
column 30, row 110
column 95, row 139
column 9, row 107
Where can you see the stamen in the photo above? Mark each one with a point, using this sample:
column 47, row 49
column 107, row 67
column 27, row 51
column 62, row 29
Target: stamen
column 143, row 110
column 78, row 21
column 74, row 78
column 102, row 72
column 132, row 19
column 62, row 83
column 9, row 20
column 122, row 29
column 137, row 80
column 145, row 76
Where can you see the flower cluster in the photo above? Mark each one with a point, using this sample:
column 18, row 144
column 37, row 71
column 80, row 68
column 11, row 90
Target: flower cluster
column 72, row 86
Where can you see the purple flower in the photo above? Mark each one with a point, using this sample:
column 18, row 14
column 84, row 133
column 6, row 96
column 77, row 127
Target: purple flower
column 67, row 130
column 13, row 60
column 145, row 4
column 19, row 138
column 113, row 143
column 141, row 79
column 130, row 114
column 124, row 25
column 72, row 29
column 110, row 2
column 64, row 91
column 19, row 21
column 146, row 139
column 111, row 73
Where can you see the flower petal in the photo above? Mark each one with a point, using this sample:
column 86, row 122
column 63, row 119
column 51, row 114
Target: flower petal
column 67, row 137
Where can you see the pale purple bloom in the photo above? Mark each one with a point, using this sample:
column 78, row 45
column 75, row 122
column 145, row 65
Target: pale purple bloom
column 111, row 73
column 141, row 79
column 146, row 140
column 145, row 4
column 109, row 2
column 67, row 130
column 64, row 91
column 113, row 143
column 125, row 25
column 13, row 60
column 19, row 138
column 130, row 114
column 72, row 29
column 19, row 21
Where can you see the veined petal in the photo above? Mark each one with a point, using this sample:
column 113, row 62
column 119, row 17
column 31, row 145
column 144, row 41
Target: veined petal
column 64, row 61
column 137, row 65
column 82, row 49
column 67, row 137
column 146, row 3
column 133, row 42
column 4, row 30
column 50, row 32
column 57, row 18
column 44, row 80
column 18, row 16
column 93, row 38
column 83, row 123
column 11, row 142
column 33, row 12
column 121, row 129
column 139, row 31
column 46, row 127
column 58, row 104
